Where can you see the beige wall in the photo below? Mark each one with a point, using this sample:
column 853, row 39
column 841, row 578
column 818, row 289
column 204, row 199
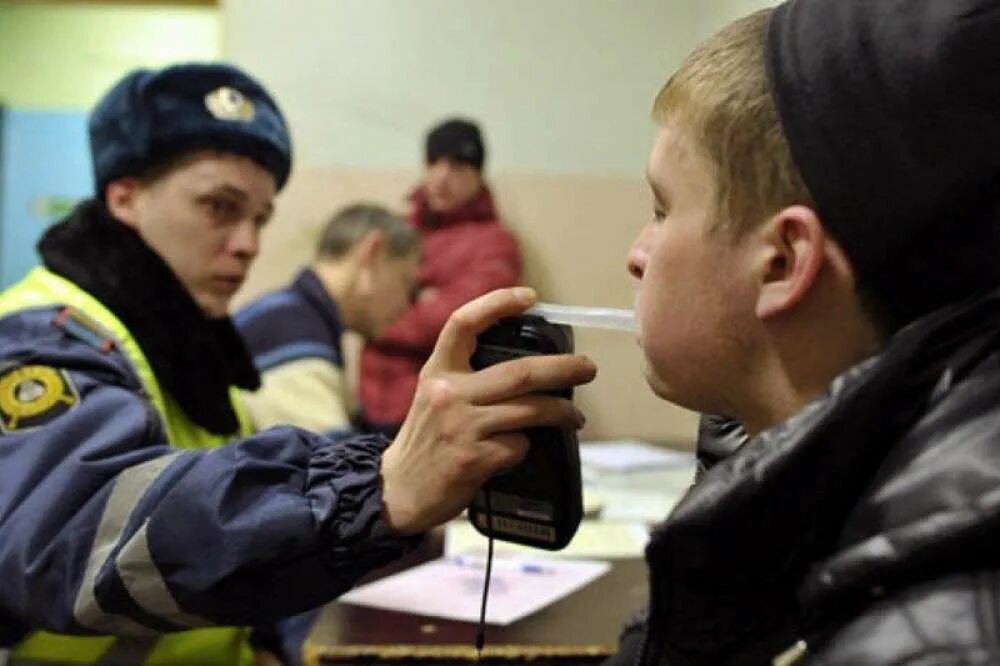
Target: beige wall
column 574, row 232
column 561, row 86
column 714, row 14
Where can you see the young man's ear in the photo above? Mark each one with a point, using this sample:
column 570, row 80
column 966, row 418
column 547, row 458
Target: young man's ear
column 795, row 248
column 122, row 198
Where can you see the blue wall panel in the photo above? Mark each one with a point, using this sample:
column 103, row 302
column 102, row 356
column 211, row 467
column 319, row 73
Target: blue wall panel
column 44, row 170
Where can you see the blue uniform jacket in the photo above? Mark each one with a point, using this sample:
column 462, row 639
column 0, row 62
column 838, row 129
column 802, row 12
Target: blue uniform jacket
column 105, row 529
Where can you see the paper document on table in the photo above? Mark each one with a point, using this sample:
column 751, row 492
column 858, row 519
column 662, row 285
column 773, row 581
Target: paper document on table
column 594, row 539
column 631, row 455
column 625, row 504
column 452, row 587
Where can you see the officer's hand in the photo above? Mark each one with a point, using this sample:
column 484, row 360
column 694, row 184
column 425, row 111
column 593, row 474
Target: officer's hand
column 464, row 426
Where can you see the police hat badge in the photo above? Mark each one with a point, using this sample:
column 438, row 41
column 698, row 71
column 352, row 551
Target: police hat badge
column 227, row 103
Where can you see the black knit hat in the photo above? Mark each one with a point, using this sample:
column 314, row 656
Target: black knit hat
column 150, row 116
column 892, row 112
column 457, row 140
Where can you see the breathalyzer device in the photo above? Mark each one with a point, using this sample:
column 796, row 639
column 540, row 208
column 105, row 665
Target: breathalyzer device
column 539, row 502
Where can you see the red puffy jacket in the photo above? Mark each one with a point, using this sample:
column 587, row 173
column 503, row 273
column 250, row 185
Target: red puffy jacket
column 465, row 254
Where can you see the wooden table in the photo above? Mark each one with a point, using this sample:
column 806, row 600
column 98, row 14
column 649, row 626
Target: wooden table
column 579, row 629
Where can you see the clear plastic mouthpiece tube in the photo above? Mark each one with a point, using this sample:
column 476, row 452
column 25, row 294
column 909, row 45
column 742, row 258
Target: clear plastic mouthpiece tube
column 578, row 315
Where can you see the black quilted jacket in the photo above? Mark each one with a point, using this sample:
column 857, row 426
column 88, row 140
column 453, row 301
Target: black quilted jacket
column 866, row 529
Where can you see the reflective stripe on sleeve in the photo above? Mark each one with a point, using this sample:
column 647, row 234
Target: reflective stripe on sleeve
column 145, row 584
column 130, row 486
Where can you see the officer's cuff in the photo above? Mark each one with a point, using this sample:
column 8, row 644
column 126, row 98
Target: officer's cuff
column 354, row 520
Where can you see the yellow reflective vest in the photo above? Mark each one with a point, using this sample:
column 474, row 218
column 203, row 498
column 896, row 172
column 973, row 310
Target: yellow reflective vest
column 218, row 646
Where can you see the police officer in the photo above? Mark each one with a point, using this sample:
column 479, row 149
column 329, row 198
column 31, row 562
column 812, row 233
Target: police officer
column 122, row 516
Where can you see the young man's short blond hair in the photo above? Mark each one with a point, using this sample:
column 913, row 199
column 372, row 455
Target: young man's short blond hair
column 720, row 99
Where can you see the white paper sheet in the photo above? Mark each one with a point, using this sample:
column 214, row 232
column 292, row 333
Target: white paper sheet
column 631, row 455
column 452, row 587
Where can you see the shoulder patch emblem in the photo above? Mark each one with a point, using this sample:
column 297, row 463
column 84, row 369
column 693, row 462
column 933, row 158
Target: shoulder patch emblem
column 33, row 395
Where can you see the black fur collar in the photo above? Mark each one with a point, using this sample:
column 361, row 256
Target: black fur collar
column 196, row 359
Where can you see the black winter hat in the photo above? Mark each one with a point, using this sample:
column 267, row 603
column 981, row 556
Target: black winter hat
column 892, row 113
column 152, row 115
column 458, row 140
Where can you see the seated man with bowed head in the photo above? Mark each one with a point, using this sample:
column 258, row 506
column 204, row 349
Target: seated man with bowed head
column 363, row 277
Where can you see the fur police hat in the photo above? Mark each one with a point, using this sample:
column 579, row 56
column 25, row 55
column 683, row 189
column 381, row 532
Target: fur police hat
column 892, row 113
column 457, row 140
column 153, row 115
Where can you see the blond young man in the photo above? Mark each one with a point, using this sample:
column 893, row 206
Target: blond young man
column 821, row 270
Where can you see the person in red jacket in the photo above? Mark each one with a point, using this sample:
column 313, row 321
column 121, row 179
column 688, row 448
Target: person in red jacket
column 466, row 253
